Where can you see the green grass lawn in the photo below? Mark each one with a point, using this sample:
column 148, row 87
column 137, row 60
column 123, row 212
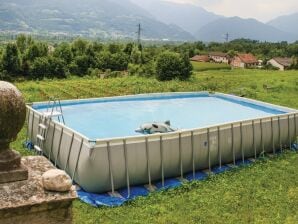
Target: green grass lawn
column 207, row 66
column 266, row 192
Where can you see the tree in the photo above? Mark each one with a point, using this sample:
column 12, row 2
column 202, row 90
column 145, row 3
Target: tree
column 63, row 51
column 185, row 67
column 97, row 47
column 57, row 67
column 10, row 59
column 36, row 50
column 48, row 67
column 136, row 56
column 171, row 65
column 231, row 53
column 79, row 47
column 295, row 63
column 114, row 48
column 40, row 68
column 103, row 60
column 90, row 53
column 119, row 62
column 128, row 49
column 22, row 43
column 80, row 65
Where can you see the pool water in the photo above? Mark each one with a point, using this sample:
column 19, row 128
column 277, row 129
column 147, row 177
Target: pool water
column 119, row 118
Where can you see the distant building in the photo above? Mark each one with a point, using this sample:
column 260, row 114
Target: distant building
column 200, row 58
column 51, row 48
column 281, row 63
column 244, row 61
column 260, row 63
column 219, row 57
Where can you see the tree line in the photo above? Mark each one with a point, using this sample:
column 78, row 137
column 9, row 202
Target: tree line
column 34, row 59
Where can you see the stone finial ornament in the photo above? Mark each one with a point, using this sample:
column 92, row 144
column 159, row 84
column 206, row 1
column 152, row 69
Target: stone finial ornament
column 12, row 118
column 12, row 113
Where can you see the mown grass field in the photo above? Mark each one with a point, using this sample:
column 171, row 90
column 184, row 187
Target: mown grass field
column 207, row 66
column 266, row 192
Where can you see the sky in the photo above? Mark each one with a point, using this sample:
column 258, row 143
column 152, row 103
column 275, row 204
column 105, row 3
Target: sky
column 263, row 10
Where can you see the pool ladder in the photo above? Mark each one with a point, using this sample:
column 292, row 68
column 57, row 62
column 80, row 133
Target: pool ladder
column 54, row 109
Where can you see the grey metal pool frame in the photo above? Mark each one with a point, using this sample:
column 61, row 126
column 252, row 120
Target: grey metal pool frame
column 104, row 165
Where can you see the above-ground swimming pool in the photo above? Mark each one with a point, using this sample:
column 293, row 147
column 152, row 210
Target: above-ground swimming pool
column 101, row 151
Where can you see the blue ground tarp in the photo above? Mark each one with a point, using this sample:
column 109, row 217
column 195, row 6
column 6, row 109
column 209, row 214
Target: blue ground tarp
column 121, row 196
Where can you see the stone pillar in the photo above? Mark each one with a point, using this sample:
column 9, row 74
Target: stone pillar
column 23, row 197
column 12, row 118
column 27, row 202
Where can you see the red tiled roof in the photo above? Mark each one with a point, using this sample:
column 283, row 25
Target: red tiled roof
column 200, row 58
column 219, row 54
column 284, row 61
column 247, row 58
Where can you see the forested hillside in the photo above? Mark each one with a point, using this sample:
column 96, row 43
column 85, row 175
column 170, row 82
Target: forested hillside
column 102, row 18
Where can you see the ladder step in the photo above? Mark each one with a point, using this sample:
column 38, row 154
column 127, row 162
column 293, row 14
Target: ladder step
column 52, row 114
column 37, row 148
column 42, row 126
column 40, row 137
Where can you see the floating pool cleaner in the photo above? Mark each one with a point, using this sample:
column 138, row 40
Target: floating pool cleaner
column 155, row 127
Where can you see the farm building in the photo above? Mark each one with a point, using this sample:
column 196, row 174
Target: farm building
column 219, row 57
column 244, row 61
column 200, row 58
column 281, row 63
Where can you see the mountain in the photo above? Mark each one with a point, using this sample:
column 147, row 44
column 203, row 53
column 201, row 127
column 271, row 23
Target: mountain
column 102, row 18
column 189, row 17
column 286, row 23
column 242, row 28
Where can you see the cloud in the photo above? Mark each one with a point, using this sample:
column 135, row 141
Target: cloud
column 263, row 10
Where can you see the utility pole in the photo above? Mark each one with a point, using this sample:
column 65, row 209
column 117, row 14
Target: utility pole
column 139, row 33
column 227, row 37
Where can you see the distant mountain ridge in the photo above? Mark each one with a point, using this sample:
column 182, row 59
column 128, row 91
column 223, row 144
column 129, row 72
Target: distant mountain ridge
column 287, row 23
column 103, row 18
column 160, row 19
column 207, row 26
column 242, row 28
column 189, row 17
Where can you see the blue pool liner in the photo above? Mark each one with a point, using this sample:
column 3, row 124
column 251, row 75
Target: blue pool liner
column 121, row 196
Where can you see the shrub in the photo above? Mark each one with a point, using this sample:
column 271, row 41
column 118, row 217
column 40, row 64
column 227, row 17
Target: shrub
column 57, row 67
column 39, row 68
column 171, row 65
column 116, row 74
column 36, row 50
column 48, row 67
column 64, row 52
column 80, row 65
column 146, row 70
column 95, row 72
column 119, row 62
column 134, row 69
column 5, row 76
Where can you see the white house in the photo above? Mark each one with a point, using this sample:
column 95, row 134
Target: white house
column 219, row 57
column 281, row 63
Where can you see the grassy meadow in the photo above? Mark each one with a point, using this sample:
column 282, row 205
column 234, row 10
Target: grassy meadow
column 207, row 66
column 265, row 192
